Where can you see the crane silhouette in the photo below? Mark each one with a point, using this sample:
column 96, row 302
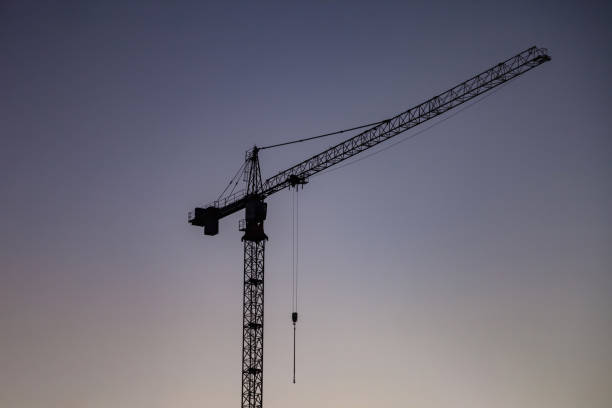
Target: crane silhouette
column 252, row 198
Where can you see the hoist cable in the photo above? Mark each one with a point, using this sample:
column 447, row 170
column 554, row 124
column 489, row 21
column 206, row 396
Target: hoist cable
column 323, row 135
column 292, row 251
column 294, row 353
column 293, row 270
column 295, row 245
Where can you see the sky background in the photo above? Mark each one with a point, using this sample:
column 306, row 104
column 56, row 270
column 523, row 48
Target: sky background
column 470, row 266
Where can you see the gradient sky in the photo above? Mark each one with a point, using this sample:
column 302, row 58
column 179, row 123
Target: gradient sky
column 470, row 266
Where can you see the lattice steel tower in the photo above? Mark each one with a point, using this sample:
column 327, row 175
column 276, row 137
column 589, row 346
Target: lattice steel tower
column 254, row 239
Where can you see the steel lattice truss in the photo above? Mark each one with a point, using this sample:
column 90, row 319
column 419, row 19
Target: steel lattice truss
column 427, row 110
column 465, row 91
column 252, row 324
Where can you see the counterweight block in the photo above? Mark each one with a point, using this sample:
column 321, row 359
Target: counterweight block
column 207, row 218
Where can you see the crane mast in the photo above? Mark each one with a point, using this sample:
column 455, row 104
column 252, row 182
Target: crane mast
column 254, row 240
column 252, row 198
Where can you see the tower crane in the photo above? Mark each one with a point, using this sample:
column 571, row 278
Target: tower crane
column 252, row 199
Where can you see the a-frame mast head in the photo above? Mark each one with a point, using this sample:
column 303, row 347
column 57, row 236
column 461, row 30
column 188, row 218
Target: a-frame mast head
column 255, row 210
column 252, row 172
